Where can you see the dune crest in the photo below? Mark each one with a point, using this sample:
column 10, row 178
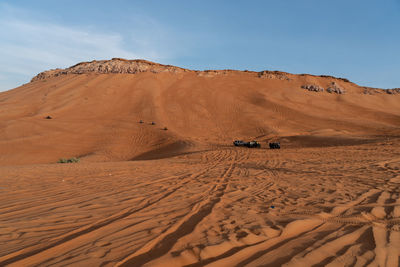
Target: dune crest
column 120, row 65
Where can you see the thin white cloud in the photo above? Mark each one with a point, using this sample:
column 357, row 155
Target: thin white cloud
column 29, row 46
column 34, row 47
column 54, row 44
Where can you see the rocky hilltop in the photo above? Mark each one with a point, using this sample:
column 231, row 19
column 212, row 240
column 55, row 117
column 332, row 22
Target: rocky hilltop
column 124, row 66
column 115, row 65
column 120, row 65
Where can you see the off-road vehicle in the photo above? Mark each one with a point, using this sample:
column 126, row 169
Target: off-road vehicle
column 275, row 145
column 239, row 143
column 253, row 144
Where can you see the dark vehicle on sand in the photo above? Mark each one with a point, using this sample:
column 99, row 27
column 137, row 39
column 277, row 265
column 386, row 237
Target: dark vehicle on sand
column 275, row 145
column 253, row 144
column 239, row 143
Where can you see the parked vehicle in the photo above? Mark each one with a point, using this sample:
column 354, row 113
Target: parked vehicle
column 275, row 145
column 253, row 144
column 239, row 143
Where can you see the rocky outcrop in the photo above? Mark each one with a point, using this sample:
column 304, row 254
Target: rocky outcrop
column 213, row 73
column 115, row 65
column 119, row 65
column 124, row 66
column 313, row 88
column 266, row 74
column 393, row 91
column 332, row 77
column 335, row 88
column 374, row 91
column 370, row 90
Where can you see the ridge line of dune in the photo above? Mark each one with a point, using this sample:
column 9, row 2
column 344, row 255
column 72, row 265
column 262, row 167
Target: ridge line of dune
column 124, row 66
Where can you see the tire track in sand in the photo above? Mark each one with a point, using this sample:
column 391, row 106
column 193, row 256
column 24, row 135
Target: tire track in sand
column 34, row 254
column 336, row 238
column 380, row 225
column 161, row 245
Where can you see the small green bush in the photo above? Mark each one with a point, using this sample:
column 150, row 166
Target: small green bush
column 70, row 160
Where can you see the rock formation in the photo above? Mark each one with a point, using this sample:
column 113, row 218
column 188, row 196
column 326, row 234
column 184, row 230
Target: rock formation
column 335, row 88
column 115, row 65
column 124, row 66
column 393, row 91
column 273, row 75
column 313, row 88
column 119, row 65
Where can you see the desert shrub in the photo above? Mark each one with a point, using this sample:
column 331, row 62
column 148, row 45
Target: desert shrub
column 70, row 160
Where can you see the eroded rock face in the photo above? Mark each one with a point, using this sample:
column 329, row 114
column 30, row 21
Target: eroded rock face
column 335, row 88
column 119, row 65
column 273, row 75
column 370, row 91
column 313, row 88
column 115, row 65
column 374, row 91
column 393, row 91
column 213, row 73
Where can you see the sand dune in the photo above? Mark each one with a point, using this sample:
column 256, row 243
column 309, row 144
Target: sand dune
column 143, row 195
column 96, row 115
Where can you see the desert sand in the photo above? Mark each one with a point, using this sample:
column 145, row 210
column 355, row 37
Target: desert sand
column 145, row 196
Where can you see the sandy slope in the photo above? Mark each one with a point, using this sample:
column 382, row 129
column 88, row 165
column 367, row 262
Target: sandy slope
column 95, row 116
column 185, row 197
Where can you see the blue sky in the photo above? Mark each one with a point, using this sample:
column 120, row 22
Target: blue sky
column 356, row 39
